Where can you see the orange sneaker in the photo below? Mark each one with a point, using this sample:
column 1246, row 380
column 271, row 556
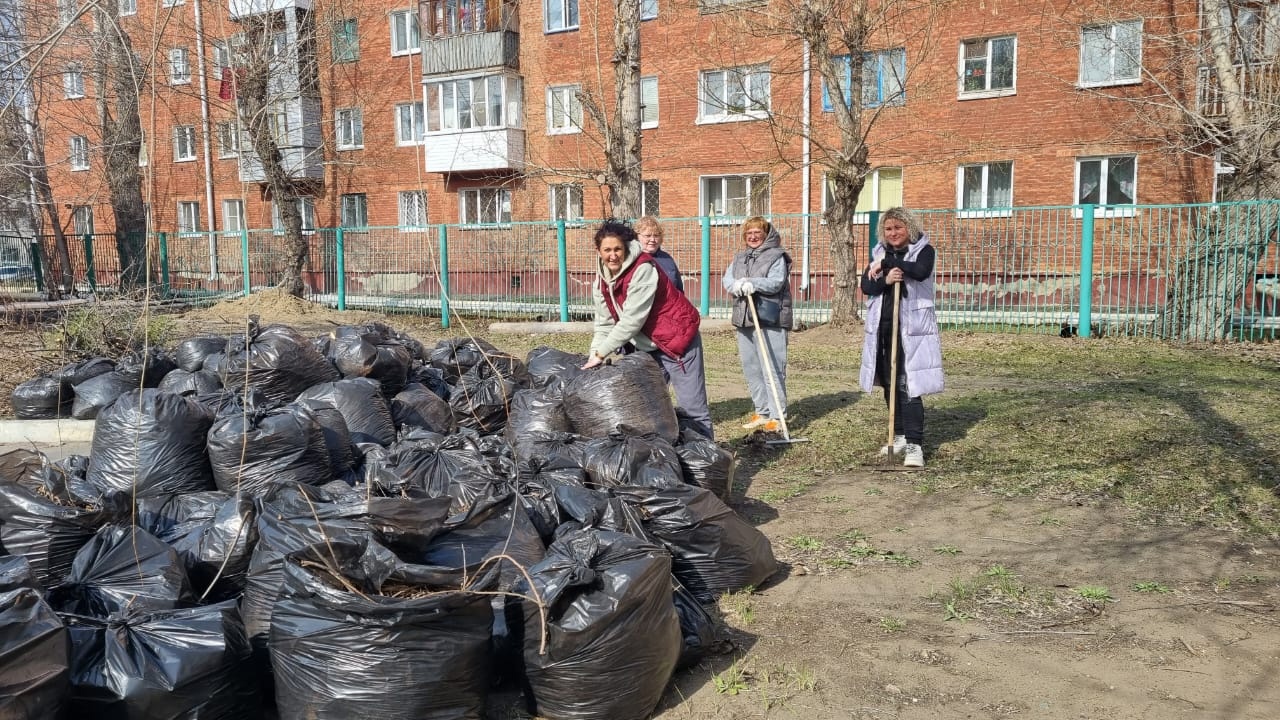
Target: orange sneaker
column 757, row 420
column 771, row 426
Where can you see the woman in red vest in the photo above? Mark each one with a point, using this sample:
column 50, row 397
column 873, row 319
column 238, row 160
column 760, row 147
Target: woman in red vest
column 638, row 308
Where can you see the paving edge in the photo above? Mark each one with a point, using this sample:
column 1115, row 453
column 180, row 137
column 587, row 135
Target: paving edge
column 45, row 432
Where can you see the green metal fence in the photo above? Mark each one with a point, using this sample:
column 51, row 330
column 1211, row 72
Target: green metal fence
column 1184, row 272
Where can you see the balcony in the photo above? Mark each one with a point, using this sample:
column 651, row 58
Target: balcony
column 489, row 149
column 1259, row 83
column 245, row 8
column 298, row 138
column 451, row 54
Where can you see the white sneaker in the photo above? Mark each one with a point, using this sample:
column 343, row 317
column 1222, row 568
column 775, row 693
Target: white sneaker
column 913, row 456
column 899, row 444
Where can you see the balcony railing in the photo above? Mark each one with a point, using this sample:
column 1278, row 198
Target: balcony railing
column 1259, row 84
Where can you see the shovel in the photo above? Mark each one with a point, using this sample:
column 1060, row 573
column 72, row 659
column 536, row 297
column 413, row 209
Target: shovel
column 891, row 460
column 768, row 374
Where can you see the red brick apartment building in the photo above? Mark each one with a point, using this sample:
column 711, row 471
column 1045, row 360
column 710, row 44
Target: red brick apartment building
column 471, row 111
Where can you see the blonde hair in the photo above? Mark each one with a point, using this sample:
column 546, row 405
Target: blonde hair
column 649, row 222
column 755, row 222
column 906, row 217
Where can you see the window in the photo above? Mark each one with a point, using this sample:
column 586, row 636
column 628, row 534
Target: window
column 473, row 103
column 1111, row 54
column 1254, row 29
column 413, row 209
column 179, row 67
column 233, row 215
column 649, row 102
column 279, row 126
column 306, row 209
column 404, row 33
column 410, row 124
column 648, row 9
column 566, row 202
column 737, row 195
column 355, row 211
column 82, row 220
column 484, row 205
column 649, row 197
column 346, row 41
column 738, row 93
column 79, row 152
column 171, row 3
column 228, row 139
column 881, row 190
column 144, row 151
column 1107, row 181
column 221, row 58
column 73, row 82
column 564, row 110
column 348, row 128
column 884, row 76
column 989, row 185
column 188, row 217
column 560, row 15
column 128, row 7
column 184, row 143
column 454, row 17
column 986, row 66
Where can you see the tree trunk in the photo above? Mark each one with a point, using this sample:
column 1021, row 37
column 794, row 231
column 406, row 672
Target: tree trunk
column 59, row 281
column 121, row 142
column 623, row 166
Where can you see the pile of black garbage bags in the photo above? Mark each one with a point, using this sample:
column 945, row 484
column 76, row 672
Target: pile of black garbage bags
column 359, row 526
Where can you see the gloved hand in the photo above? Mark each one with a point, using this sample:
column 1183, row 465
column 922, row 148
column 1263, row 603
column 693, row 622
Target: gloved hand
column 747, row 288
column 735, row 289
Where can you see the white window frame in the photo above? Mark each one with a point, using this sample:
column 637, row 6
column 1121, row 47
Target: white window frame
column 412, row 117
column 348, row 128
column 645, row 192
column 501, row 202
column 565, row 202
column 564, row 110
column 406, row 35
column 172, row 3
column 228, row 139
column 987, row 91
column 1103, row 208
column 1111, row 50
column 565, row 23
column 233, row 216
column 744, row 80
column 82, row 220
column 79, row 156
column 412, row 210
column 723, row 216
column 870, row 184
column 876, row 67
column 188, row 218
column 306, row 208
column 184, row 143
column 220, row 54
column 179, row 66
column 344, row 47
column 127, row 7
column 649, row 108
column 987, row 210
column 357, row 202
column 648, row 9
column 73, row 82
column 444, row 110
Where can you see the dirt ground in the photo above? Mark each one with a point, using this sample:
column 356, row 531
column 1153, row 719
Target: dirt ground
column 901, row 598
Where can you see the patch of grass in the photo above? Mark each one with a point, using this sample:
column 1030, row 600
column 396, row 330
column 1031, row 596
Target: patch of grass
column 1151, row 587
column 951, row 613
column 805, row 542
column 998, row 571
column 803, row 679
column 732, row 680
column 1050, row 521
column 739, row 605
column 787, row 492
column 892, row 624
column 106, row 331
column 1094, row 593
column 831, row 498
column 947, row 550
column 873, row 491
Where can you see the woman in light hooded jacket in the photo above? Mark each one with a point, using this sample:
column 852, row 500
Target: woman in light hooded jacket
column 904, row 257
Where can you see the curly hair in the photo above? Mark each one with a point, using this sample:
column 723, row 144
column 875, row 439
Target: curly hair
column 906, row 217
column 615, row 228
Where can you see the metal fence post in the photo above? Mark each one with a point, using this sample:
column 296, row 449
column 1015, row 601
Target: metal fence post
column 873, row 228
column 36, row 265
column 244, row 260
column 1086, row 270
column 88, row 263
column 163, row 240
column 704, row 303
column 562, row 261
column 339, row 249
column 444, row 276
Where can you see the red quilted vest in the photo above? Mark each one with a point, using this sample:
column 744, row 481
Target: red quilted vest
column 673, row 321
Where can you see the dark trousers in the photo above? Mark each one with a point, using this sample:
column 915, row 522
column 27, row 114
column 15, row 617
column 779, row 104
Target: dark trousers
column 908, row 416
column 688, row 379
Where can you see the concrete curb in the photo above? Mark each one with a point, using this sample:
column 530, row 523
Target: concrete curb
column 45, row 432
column 555, row 328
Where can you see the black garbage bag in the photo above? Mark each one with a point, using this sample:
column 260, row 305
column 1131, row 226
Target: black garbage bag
column 35, row 658
column 455, row 356
column 601, row 510
column 698, row 630
column 552, row 447
column 250, row 452
column 41, row 398
column 190, row 354
column 48, row 526
column 192, row 663
column 706, row 464
column 98, row 392
column 713, row 550
column 551, row 369
column 612, row 634
column 213, row 532
column 151, row 443
column 433, row 378
column 277, row 360
column 536, row 483
column 479, row 399
column 197, row 383
column 624, row 458
column 145, row 369
column 491, row 527
column 216, row 363
column 77, row 372
column 361, row 403
column 425, row 464
column 534, row 411
column 411, row 644
column 497, row 452
column 417, row 406
column 15, row 573
column 337, row 438
column 630, row 392
column 123, row 568
column 369, row 351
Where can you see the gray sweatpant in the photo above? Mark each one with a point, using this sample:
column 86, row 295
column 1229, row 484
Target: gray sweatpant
column 775, row 340
column 688, row 379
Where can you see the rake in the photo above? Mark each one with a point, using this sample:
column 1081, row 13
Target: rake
column 768, row 374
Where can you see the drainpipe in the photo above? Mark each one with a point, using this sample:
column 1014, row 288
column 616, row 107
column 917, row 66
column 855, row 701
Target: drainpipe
column 805, row 199
column 206, row 145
